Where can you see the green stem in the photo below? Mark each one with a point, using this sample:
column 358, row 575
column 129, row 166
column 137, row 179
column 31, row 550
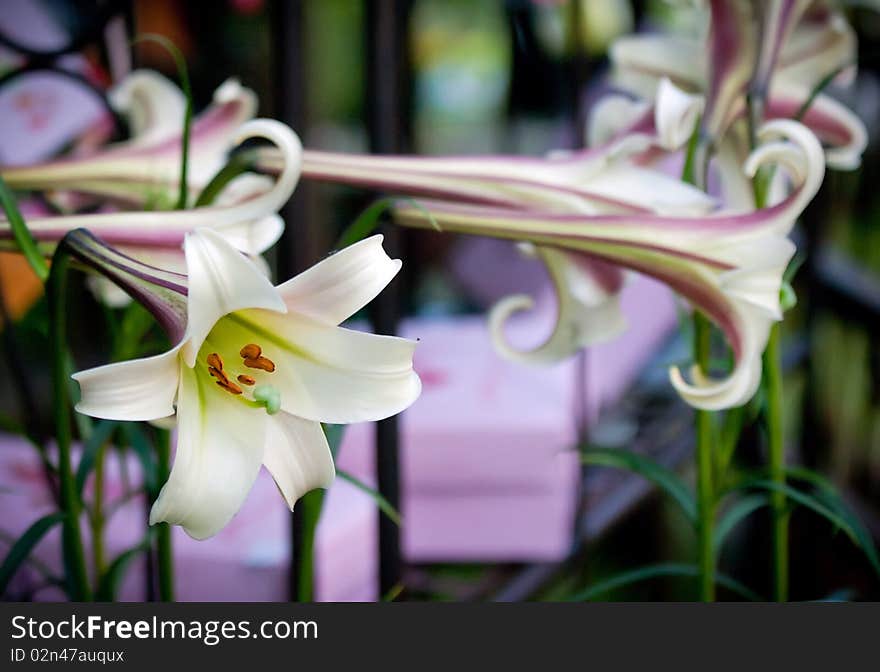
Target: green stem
column 310, row 505
column 23, row 238
column 705, row 468
column 776, row 451
column 74, row 557
column 97, row 517
column 164, row 551
column 183, row 73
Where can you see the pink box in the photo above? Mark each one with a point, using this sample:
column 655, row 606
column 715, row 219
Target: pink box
column 246, row 561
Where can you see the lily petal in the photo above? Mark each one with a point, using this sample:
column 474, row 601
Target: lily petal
column 298, row 456
column 675, row 115
column 153, row 105
column 139, row 389
column 611, row 115
column 331, row 374
column 221, row 281
column 220, row 447
column 336, row 288
column 588, row 312
column 840, row 130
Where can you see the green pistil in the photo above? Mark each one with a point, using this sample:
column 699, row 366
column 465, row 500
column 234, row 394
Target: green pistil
column 268, row 396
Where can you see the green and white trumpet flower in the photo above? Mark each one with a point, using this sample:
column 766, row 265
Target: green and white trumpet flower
column 608, row 178
column 254, row 371
column 774, row 53
column 245, row 214
column 727, row 264
column 145, row 169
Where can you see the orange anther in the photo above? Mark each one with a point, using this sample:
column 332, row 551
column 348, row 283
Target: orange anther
column 215, row 361
column 251, row 351
column 263, row 363
column 229, row 386
column 218, row 374
column 246, row 380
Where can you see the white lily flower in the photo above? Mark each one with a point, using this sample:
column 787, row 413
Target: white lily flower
column 727, row 264
column 777, row 52
column 147, row 166
column 256, row 370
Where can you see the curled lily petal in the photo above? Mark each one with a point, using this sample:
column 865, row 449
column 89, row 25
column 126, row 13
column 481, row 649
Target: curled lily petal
column 298, row 456
column 588, row 310
column 729, row 265
column 336, row 288
column 220, row 447
column 840, row 130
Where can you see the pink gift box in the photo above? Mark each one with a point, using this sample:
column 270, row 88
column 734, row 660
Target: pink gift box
column 247, row 561
column 487, row 462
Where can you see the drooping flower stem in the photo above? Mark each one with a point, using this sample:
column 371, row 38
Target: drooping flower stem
column 164, row 550
column 776, row 458
column 74, row 557
column 705, row 468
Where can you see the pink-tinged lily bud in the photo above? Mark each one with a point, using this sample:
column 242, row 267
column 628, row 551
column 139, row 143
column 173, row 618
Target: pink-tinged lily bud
column 254, row 370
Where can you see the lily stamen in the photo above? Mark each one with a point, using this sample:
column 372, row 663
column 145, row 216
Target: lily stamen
column 246, row 380
column 263, row 363
column 218, row 374
column 251, row 351
column 229, row 386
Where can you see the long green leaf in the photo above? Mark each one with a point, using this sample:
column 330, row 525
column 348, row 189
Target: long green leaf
column 368, row 220
column 183, row 74
column 820, row 86
column 23, row 238
column 108, row 586
column 835, row 512
column 334, row 434
column 657, row 571
column 383, row 504
column 664, row 478
column 25, row 544
column 738, row 512
column 143, row 449
column 99, row 436
column 830, row 496
column 238, row 163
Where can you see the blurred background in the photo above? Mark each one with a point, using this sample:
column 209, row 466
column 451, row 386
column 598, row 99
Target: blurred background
column 495, row 502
